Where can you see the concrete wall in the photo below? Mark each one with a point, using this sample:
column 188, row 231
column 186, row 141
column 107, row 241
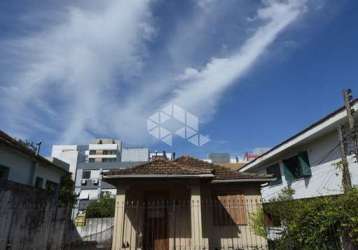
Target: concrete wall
column 30, row 218
column 96, row 229
column 323, row 155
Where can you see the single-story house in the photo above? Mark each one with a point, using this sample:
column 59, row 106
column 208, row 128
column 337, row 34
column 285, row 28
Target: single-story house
column 22, row 165
column 185, row 204
column 308, row 161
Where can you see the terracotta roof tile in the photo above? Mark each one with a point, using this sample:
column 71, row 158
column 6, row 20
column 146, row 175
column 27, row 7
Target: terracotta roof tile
column 221, row 172
column 159, row 167
column 184, row 165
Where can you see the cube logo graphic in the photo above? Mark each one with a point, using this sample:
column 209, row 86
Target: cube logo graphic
column 172, row 121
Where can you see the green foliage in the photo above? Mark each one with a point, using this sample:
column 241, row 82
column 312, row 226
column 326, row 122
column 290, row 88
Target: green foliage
column 257, row 222
column 103, row 207
column 66, row 195
column 318, row 223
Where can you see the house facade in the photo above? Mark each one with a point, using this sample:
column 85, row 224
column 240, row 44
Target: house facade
column 185, row 204
column 309, row 161
column 20, row 164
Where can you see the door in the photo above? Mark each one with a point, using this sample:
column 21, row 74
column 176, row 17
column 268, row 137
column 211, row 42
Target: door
column 156, row 222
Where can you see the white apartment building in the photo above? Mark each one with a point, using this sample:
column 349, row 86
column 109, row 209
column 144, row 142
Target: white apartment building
column 88, row 162
column 100, row 150
column 104, row 150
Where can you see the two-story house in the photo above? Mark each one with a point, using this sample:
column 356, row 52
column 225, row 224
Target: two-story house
column 308, row 162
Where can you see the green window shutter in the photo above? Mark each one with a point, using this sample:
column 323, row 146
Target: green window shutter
column 276, row 172
column 288, row 174
column 304, row 164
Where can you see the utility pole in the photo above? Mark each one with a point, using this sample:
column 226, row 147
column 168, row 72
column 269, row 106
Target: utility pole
column 346, row 177
column 347, row 95
column 343, row 139
column 353, row 130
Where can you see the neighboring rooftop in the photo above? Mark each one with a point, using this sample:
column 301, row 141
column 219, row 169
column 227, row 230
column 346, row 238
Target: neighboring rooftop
column 219, row 157
column 11, row 142
column 328, row 123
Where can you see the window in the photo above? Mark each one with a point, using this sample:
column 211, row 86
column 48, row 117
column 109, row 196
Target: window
column 91, row 159
column 92, row 152
column 39, row 182
column 51, row 187
column 276, row 172
column 86, row 174
column 4, row 173
column 297, row 167
column 108, row 159
column 229, row 209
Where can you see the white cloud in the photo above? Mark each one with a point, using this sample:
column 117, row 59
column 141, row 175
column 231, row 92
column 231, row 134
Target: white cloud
column 81, row 76
column 79, row 62
column 203, row 88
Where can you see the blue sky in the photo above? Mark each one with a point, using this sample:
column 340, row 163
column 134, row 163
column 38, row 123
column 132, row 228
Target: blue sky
column 254, row 72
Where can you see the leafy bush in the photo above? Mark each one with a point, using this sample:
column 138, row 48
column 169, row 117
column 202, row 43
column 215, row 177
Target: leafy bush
column 257, row 221
column 319, row 223
column 103, row 207
column 66, row 196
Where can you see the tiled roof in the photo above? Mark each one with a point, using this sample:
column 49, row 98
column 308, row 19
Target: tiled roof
column 159, row 167
column 220, row 172
column 184, row 165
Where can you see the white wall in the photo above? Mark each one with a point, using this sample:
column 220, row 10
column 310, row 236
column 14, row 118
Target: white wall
column 91, row 194
column 68, row 154
column 103, row 147
column 22, row 169
column 20, row 166
column 135, row 154
column 48, row 174
column 325, row 179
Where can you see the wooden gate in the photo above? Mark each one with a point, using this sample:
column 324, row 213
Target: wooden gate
column 156, row 222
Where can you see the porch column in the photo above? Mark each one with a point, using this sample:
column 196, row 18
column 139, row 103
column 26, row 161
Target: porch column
column 196, row 223
column 118, row 222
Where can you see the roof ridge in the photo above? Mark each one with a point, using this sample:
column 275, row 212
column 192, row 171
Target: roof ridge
column 212, row 165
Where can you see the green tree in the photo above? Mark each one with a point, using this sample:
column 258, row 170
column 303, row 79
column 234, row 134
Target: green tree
column 66, row 196
column 103, row 207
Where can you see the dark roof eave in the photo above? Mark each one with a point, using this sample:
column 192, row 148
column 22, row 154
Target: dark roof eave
column 7, row 140
column 215, row 181
column 156, row 176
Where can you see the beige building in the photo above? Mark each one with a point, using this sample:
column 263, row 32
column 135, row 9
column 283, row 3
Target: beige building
column 185, row 204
